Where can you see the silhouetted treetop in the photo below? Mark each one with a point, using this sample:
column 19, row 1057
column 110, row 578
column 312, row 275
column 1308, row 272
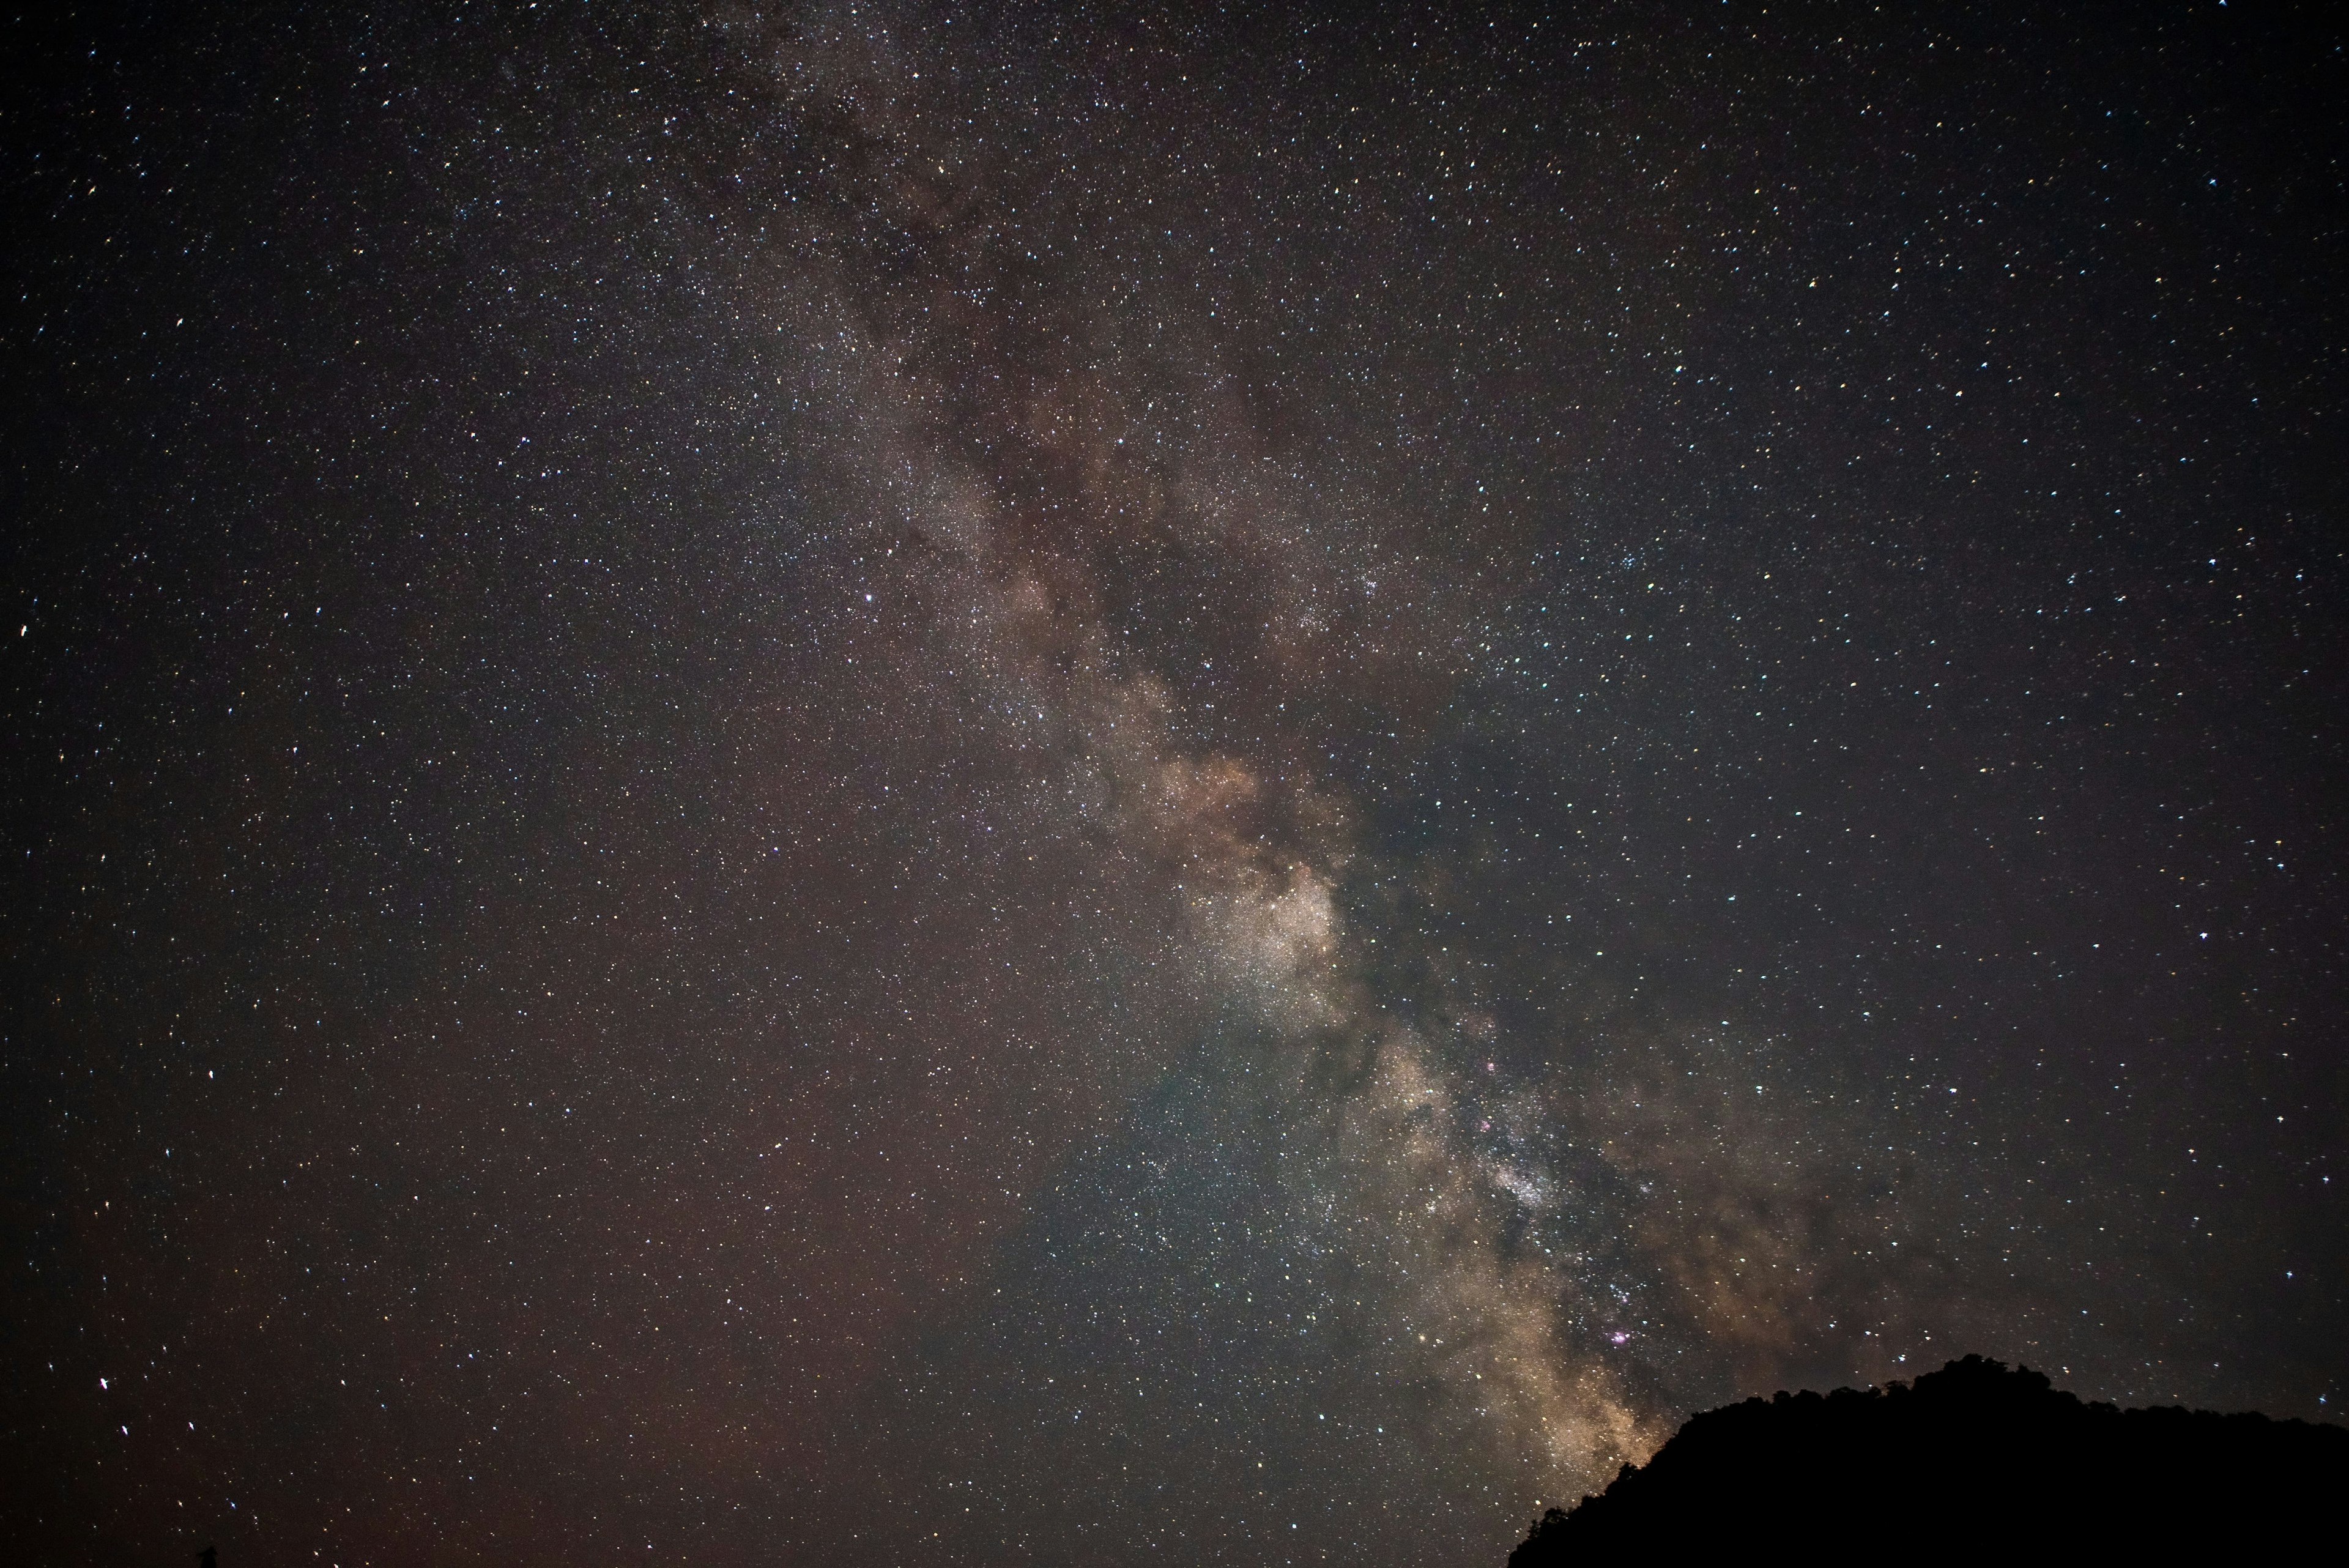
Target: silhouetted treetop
column 1975, row 1457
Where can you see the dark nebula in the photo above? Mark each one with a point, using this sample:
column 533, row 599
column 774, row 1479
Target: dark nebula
column 862, row 783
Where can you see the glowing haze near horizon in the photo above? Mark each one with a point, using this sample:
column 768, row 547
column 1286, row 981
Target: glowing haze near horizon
column 818, row 783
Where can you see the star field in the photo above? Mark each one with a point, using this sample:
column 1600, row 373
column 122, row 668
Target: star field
column 843, row 784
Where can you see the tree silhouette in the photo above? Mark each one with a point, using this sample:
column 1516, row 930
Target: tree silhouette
column 1973, row 1458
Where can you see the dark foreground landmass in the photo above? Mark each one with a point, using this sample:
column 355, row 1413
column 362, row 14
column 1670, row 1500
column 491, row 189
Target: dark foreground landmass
column 1973, row 1458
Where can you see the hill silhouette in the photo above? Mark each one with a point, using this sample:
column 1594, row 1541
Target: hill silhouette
column 1973, row 1458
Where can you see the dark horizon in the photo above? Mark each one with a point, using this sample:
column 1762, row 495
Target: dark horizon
column 1975, row 1457
column 828, row 781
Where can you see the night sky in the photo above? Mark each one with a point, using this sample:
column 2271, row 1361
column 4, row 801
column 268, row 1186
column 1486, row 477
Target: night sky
column 1052, row 786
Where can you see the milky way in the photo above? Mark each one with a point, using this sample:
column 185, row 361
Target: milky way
column 816, row 785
